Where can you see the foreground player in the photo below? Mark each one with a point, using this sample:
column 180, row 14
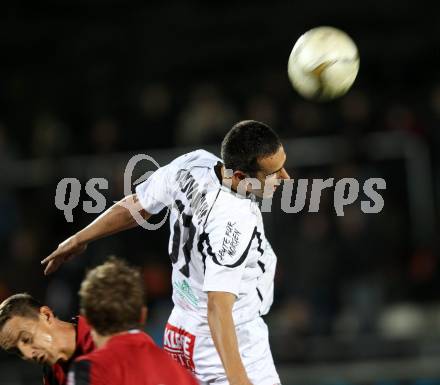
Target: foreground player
column 31, row 330
column 223, row 266
column 112, row 300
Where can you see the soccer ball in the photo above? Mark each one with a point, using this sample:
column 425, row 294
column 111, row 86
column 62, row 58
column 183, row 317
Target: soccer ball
column 323, row 63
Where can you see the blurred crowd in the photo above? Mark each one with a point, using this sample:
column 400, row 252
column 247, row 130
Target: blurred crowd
column 161, row 116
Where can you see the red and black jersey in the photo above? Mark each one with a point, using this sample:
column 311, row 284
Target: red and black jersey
column 57, row 374
column 130, row 358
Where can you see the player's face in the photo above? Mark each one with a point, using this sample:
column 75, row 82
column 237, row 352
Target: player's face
column 31, row 339
column 271, row 173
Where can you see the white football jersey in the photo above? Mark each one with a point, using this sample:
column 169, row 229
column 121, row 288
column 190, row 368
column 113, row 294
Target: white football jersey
column 217, row 240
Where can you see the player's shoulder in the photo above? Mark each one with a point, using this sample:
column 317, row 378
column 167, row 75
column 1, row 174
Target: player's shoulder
column 228, row 206
column 163, row 362
column 195, row 173
column 196, row 158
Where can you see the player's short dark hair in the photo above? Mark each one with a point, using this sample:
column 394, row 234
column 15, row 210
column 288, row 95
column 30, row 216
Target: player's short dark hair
column 112, row 296
column 247, row 142
column 19, row 305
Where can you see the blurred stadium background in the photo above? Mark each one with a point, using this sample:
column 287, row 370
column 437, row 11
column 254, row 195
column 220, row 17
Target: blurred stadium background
column 85, row 85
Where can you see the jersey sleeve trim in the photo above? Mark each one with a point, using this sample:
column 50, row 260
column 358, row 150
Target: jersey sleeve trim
column 243, row 256
column 226, row 277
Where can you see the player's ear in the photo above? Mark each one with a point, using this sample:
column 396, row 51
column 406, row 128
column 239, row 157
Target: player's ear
column 240, row 175
column 143, row 315
column 47, row 314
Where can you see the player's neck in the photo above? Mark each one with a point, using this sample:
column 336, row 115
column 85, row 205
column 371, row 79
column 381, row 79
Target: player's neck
column 99, row 339
column 66, row 336
column 230, row 181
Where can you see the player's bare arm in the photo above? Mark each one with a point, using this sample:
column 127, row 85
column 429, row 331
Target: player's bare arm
column 114, row 220
column 223, row 333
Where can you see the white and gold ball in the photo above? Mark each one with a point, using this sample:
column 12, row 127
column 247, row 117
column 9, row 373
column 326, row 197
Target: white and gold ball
column 323, row 63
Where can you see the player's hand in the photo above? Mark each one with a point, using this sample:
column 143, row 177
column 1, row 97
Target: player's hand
column 66, row 250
